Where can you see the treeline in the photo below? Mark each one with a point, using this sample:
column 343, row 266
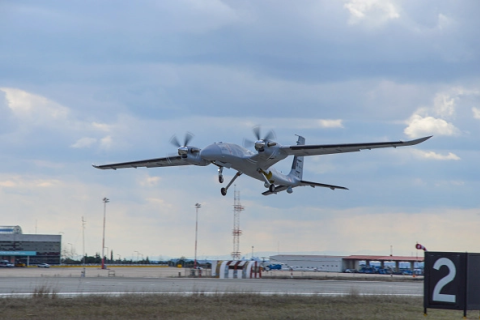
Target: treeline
column 96, row 259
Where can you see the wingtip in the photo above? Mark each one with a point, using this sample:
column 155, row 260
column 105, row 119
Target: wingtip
column 419, row 140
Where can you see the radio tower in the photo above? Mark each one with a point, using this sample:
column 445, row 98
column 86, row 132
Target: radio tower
column 237, row 208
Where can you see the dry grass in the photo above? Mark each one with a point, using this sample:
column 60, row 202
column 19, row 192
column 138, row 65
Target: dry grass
column 46, row 305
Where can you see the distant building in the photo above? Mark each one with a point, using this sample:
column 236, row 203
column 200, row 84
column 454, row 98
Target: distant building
column 29, row 248
column 10, row 230
column 306, row 262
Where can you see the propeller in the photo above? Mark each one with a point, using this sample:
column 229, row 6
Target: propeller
column 261, row 142
column 183, row 149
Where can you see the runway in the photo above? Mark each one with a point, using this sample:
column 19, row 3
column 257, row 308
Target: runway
column 81, row 286
column 67, row 282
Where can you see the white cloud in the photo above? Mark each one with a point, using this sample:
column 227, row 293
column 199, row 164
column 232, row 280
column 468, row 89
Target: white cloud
column 27, row 183
column 434, row 155
column 33, row 109
column 444, row 105
column 106, row 142
column 420, row 126
column 149, row 181
column 476, row 113
column 331, row 123
column 84, row 143
column 371, row 11
column 101, row 126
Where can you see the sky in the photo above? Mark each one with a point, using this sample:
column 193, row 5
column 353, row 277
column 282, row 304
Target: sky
column 95, row 82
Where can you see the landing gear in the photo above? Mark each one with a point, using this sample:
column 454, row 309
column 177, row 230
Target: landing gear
column 267, row 184
column 224, row 190
column 220, row 176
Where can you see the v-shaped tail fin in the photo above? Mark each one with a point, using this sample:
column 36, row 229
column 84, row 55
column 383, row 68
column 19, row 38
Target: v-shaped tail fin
column 297, row 165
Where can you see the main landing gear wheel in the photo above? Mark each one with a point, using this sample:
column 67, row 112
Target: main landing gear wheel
column 220, row 179
column 271, row 188
column 223, row 191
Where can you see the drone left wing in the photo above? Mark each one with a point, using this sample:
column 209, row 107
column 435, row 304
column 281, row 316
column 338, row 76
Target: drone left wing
column 152, row 163
column 314, row 150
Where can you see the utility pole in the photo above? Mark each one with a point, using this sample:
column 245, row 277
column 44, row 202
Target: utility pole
column 105, row 201
column 237, row 208
column 197, row 206
column 83, row 240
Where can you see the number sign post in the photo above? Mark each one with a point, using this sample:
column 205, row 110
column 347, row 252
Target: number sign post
column 444, row 283
column 452, row 281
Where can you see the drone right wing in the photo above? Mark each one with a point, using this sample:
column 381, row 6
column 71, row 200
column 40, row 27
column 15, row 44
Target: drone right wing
column 152, row 163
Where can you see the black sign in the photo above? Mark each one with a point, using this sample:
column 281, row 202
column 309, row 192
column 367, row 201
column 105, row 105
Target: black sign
column 445, row 284
column 473, row 281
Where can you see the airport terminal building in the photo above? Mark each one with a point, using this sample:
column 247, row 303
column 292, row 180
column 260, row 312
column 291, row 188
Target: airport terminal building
column 17, row 247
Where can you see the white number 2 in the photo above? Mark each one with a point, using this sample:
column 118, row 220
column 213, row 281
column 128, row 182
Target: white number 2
column 437, row 296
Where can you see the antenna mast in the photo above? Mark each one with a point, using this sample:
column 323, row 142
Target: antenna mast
column 237, row 208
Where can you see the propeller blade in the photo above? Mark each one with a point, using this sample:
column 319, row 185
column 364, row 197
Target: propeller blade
column 256, row 131
column 248, row 143
column 174, row 141
column 188, row 138
column 270, row 135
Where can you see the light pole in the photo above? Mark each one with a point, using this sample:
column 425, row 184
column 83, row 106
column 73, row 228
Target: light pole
column 105, row 201
column 197, row 206
column 252, row 252
column 71, row 250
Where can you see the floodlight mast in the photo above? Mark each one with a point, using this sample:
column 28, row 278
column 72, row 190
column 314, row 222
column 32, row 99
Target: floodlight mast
column 197, row 206
column 105, row 201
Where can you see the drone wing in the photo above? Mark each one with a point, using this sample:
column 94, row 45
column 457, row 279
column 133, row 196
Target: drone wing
column 152, row 163
column 319, row 149
column 303, row 183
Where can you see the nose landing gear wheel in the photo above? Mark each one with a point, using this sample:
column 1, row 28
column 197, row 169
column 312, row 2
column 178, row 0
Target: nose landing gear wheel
column 220, row 179
column 223, row 191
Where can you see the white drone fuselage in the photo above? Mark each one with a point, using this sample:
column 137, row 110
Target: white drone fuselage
column 255, row 165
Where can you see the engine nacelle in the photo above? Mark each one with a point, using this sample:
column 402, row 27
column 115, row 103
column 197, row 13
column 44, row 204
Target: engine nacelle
column 195, row 159
column 289, row 190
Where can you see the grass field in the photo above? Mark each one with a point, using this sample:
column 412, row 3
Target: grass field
column 45, row 304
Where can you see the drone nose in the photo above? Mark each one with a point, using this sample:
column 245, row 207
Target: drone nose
column 210, row 152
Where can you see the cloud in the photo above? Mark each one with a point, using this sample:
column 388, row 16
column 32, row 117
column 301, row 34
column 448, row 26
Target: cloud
column 434, row 155
column 420, row 126
column 27, row 183
column 106, row 142
column 331, row 123
column 33, row 109
column 476, row 113
column 444, row 105
column 374, row 12
column 149, row 181
column 84, row 143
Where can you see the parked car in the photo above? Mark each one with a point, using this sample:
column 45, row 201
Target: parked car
column 6, row 264
column 43, row 265
column 350, row 271
column 274, row 267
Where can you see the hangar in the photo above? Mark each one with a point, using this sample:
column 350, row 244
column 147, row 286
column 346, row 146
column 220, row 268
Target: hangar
column 340, row 263
column 321, row 263
column 15, row 246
